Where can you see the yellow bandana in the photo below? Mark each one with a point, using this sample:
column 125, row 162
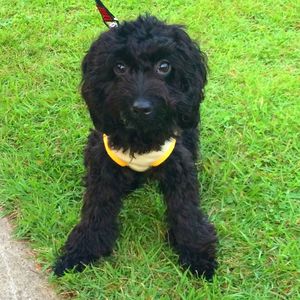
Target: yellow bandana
column 140, row 162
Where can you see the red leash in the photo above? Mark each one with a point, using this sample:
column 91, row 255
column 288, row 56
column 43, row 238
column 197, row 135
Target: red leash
column 108, row 18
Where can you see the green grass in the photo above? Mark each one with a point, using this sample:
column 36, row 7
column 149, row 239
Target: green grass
column 250, row 167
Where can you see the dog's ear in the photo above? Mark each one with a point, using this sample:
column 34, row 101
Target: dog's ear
column 90, row 90
column 193, row 78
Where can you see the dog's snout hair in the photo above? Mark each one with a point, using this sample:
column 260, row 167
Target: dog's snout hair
column 140, row 84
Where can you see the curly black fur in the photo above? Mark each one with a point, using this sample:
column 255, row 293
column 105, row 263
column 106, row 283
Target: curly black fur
column 174, row 98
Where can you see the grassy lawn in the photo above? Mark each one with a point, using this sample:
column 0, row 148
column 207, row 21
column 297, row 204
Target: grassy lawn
column 250, row 167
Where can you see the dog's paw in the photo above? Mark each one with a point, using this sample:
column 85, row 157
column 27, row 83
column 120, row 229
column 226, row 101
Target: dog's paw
column 67, row 262
column 199, row 263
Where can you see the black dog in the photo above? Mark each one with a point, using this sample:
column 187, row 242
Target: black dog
column 143, row 83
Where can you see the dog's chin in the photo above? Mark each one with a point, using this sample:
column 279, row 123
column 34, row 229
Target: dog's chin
column 139, row 126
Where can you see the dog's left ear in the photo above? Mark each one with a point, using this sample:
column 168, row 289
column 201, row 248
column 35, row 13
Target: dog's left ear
column 90, row 88
column 193, row 78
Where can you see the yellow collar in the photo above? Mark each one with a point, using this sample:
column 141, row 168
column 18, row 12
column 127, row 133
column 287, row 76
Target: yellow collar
column 140, row 162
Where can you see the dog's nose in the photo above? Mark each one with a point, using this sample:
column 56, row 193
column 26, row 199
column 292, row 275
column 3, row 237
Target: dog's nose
column 142, row 106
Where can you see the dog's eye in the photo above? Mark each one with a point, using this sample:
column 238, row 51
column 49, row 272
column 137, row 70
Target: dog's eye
column 120, row 68
column 163, row 67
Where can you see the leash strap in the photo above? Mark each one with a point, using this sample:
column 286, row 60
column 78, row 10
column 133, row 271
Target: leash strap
column 108, row 18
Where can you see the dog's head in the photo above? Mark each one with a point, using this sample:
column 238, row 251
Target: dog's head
column 144, row 79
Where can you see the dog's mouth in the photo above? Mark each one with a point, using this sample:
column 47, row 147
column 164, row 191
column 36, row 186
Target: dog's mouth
column 136, row 123
column 127, row 124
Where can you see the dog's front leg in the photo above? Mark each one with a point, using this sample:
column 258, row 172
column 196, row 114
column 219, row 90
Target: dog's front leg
column 190, row 233
column 97, row 231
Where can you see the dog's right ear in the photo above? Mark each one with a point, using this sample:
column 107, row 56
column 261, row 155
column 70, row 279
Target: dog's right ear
column 90, row 91
column 193, row 69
